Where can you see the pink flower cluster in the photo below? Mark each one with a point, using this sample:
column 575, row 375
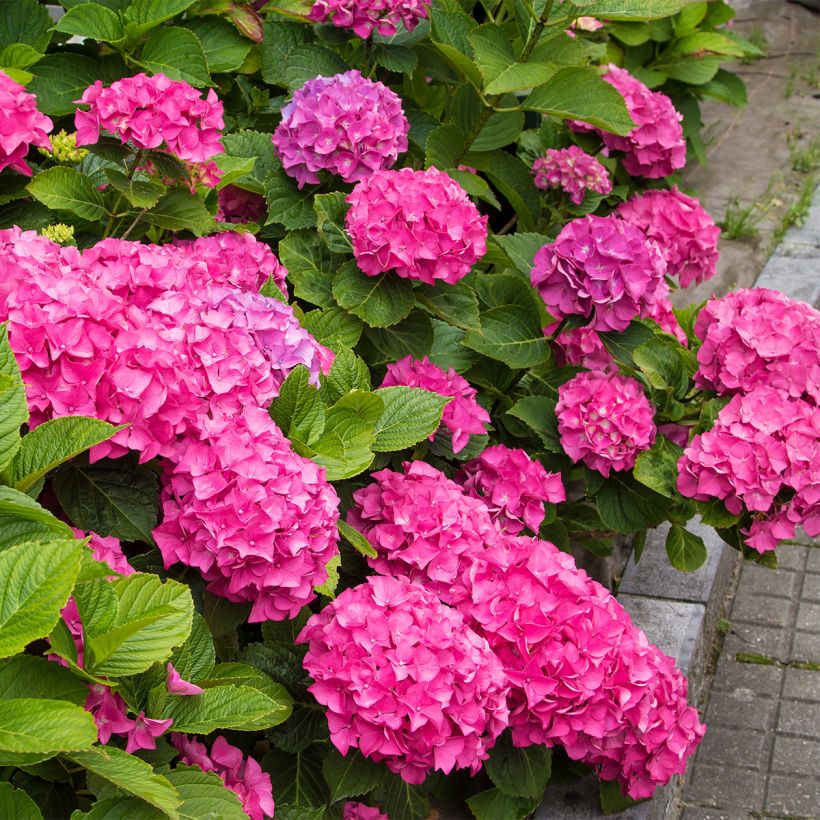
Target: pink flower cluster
column 572, row 170
column 107, row 549
column 421, row 224
column 582, row 346
column 365, row 16
column 256, row 519
column 21, row 125
column 153, row 113
column 600, row 267
column 345, row 124
column 359, row 811
column 242, row 775
column 238, row 206
column 463, row 416
column 513, row 486
column 404, row 679
column 110, row 713
column 761, row 455
column 686, row 235
column 158, row 337
column 581, row 675
column 604, row 420
column 759, row 337
column 656, row 146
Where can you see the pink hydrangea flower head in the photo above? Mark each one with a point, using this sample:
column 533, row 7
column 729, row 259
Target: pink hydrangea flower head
column 345, row 124
column 513, row 486
column 686, row 235
column 359, row 811
column 110, row 713
column 145, row 731
column 423, row 526
column 656, row 146
column 763, row 448
column 759, row 337
column 21, row 125
column 572, row 170
column 404, row 679
column 463, row 416
column 604, row 420
column 242, row 775
column 601, row 267
column 238, row 206
column 581, row 675
column 582, row 346
column 366, row 16
column 254, row 517
column 153, row 113
column 176, row 685
column 107, row 549
column 420, row 224
column 663, row 314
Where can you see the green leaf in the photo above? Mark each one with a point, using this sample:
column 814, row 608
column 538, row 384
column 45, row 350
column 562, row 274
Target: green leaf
column 412, row 336
column 59, row 79
column 29, row 676
column 510, row 334
column 715, row 514
column 25, row 21
column 177, row 53
column 225, row 48
column 686, row 551
column 401, row 799
column 660, row 360
column 475, row 186
column 146, row 14
column 311, row 267
column 44, row 727
column 457, row 303
column 116, row 498
column 37, row 580
column 130, row 774
column 613, row 800
column 117, row 808
column 297, row 778
column 22, row 518
column 54, row 442
column 394, row 58
column 627, row 506
column 348, row 372
column 13, row 407
column 298, row 409
column 621, row 345
column 726, row 87
column 444, row 148
column 309, row 61
column 519, row 772
column 151, row 619
column 93, row 21
column 356, row 540
column 233, row 169
column 447, row 349
column 630, row 9
column 581, row 94
column 196, row 657
column 538, row 413
column 64, row 189
column 410, row 415
column 180, row 210
column 330, row 221
column 380, row 301
column 329, row 587
column 333, row 327
column 513, row 180
column 203, row 795
column 287, row 205
column 255, row 145
column 494, row 803
column 15, row 803
column 658, row 468
column 521, row 248
column 690, row 70
column 140, row 192
column 350, row 775
column 450, row 34
column 280, row 39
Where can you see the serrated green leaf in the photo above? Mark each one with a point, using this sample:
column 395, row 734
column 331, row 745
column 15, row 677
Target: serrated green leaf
column 330, row 221
column 519, row 772
column 512, row 178
column 298, row 409
column 379, row 301
column 44, row 727
column 350, row 775
column 287, row 205
column 412, row 336
column 177, row 53
column 394, row 57
column 630, row 9
column 22, row 518
column 297, row 778
column 455, row 303
column 401, row 799
column 180, row 210
column 15, row 803
column 356, row 540
column 450, row 34
column 348, row 372
column 64, row 189
column 328, row 588
column 444, row 147
column 521, row 248
column 141, row 192
column 25, row 21
column 305, row 62
column 280, row 38
column 13, row 407
column 29, row 676
column 311, row 267
column 333, row 327
column 627, row 506
column 410, row 415
column 538, row 413
column 203, row 795
column 510, row 334
column 494, row 803
column 658, row 468
column 61, row 78
column 93, row 21
column 254, row 145
column 715, row 514
column 686, row 551
column 224, row 47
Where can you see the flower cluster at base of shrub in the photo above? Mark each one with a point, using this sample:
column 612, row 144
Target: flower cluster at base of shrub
column 573, row 170
column 759, row 337
column 151, row 113
column 513, row 486
column 601, row 267
column 761, row 455
column 365, row 16
column 346, row 124
column 686, row 235
column 420, row 224
column 358, row 811
column 582, row 347
column 242, row 775
column 604, row 420
column 404, row 679
column 463, row 416
column 238, row 206
column 21, row 125
column 656, row 147
column 254, row 517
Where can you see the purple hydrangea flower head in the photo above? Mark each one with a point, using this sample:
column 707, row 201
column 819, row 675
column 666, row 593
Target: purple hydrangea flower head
column 572, row 170
column 365, row 16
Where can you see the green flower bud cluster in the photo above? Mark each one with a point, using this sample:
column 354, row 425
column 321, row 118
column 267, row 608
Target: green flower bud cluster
column 61, row 233
column 64, row 148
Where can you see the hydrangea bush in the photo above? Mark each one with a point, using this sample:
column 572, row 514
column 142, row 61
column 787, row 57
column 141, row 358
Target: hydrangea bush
column 334, row 335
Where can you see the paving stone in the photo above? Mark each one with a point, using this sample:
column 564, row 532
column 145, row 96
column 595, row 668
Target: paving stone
column 806, row 647
column 813, row 560
column 763, row 581
column 755, row 639
column 794, row 277
column 808, row 617
column 725, row 787
column 792, row 556
column 795, row 755
column 793, row 796
column 763, row 680
column 693, row 813
column 755, row 608
column 811, row 587
column 742, row 709
column 802, row 684
column 748, row 748
column 798, row 718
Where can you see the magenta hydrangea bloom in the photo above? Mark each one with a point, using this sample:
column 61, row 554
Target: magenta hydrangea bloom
column 346, row 124
column 513, row 486
column 604, row 420
column 420, row 224
column 581, row 674
column 108, row 550
column 463, row 416
column 359, row 811
column 254, row 517
column 176, row 685
column 600, row 267
column 242, row 775
column 763, row 446
column 21, row 125
column 583, row 347
column 365, row 16
column 573, row 170
column 404, row 679
column 422, row 525
column 656, row 146
column 686, row 235
column 663, row 314
column 759, row 337
column 153, row 113
column 238, row 206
